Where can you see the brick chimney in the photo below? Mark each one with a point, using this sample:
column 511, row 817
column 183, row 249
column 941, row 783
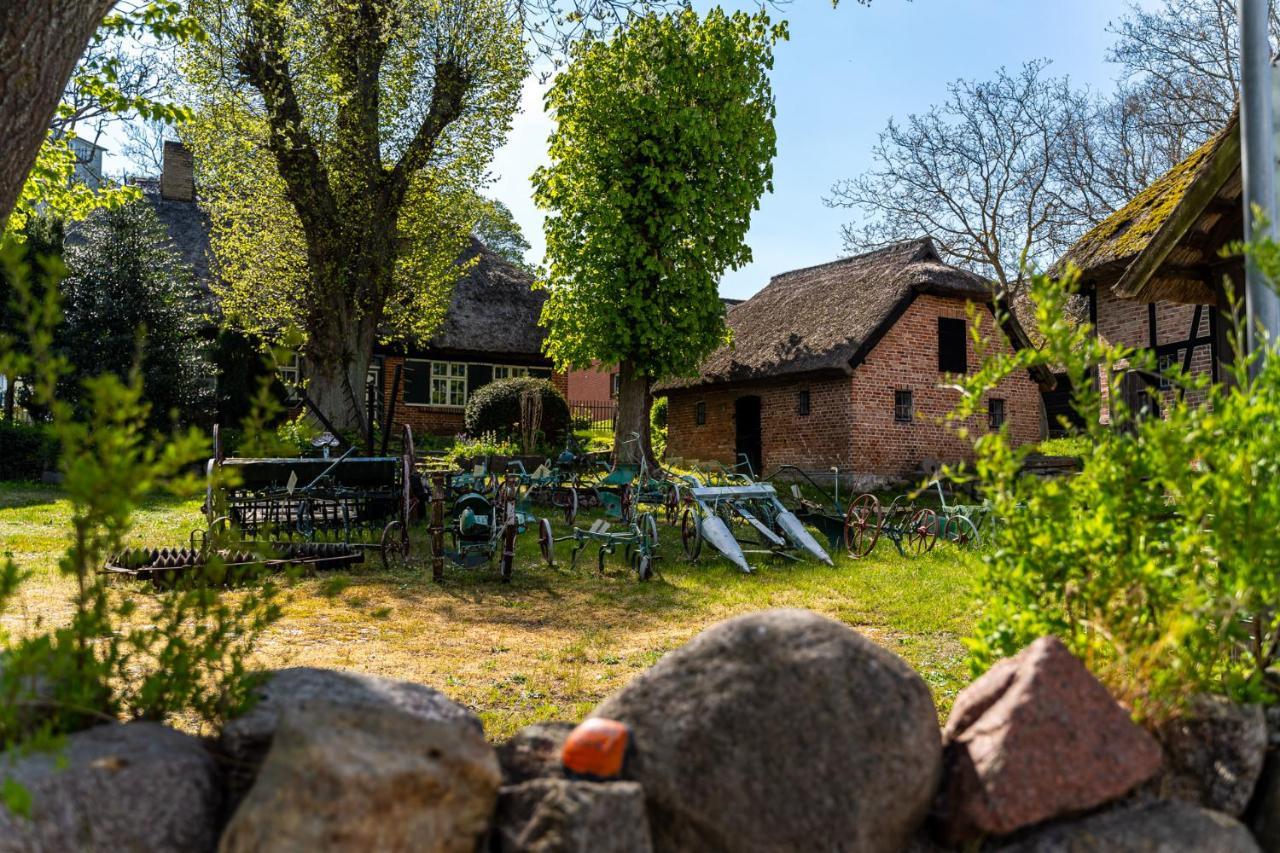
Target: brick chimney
column 176, row 180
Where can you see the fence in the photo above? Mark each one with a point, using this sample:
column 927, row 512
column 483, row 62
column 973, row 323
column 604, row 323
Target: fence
column 595, row 417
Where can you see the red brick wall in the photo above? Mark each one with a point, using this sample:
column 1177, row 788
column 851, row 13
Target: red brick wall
column 594, row 385
column 851, row 420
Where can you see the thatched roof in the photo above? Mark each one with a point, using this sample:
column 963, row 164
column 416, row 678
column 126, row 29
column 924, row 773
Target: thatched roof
column 494, row 308
column 827, row 318
column 188, row 228
column 1163, row 244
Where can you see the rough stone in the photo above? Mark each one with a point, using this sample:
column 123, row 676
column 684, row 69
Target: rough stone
column 1036, row 737
column 781, row 730
column 1265, row 810
column 533, row 753
column 1161, row 826
column 1213, row 754
column 342, row 778
column 563, row 816
column 117, row 787
column 246, row 740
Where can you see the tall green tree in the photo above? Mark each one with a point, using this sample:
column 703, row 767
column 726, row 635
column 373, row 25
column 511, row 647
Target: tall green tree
column 663, row 146
column 338, row 145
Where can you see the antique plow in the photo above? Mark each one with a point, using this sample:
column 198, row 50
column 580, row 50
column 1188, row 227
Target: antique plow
column 912, row 531
column 827, row 517
column 626, row 486
column 481, row 528
column 727, row 517
column 639, row 541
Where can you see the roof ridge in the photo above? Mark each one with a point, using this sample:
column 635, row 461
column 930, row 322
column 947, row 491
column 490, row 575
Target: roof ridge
column 882, row 250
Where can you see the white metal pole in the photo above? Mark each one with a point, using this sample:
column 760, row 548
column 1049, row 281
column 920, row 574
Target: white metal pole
column 1258, row 161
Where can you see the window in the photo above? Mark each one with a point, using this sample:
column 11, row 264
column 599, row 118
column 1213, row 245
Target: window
column 613, row 384
column 802, row 404
column 501, row 371
column 1166, row 364
column 903, row 407
column 995, row 413
column 448, row 384
column 291, row 377
column 700, row 413
column 953, row 349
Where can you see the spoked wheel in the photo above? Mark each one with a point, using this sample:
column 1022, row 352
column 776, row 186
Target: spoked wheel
column 922, row 532
column 862, row 525
column 671, row 504
column 626, row 503
column 545, row 543
column 642, row 563
column 690, row 535
column 394, row 546
column 961, row 532
column 570, row 506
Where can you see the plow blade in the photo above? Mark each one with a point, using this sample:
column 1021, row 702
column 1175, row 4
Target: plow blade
column 760, row 527
column 801, row 538
column 716, row 532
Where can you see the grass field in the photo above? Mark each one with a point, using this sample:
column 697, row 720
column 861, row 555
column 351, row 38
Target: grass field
column 553, row 642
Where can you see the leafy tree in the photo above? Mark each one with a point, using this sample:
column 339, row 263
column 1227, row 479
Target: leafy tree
column 128, row 290
column 664, row 143
column 497, row 228
column 338, row 146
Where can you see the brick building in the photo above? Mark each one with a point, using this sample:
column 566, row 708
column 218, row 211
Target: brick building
column 1154, row 274
column 845, row 365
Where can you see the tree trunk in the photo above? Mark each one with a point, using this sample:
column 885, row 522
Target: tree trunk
column 40, row 43
column 337, row 370
column 631, row 439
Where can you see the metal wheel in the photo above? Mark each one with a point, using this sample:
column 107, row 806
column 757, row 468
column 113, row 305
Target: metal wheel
column 571, row 506
column 626, row 503
column 545, row 542
column 960, row 531
column 644, row 567
column 509, row 532
column 862, row 525
column 671, row 504
column 690, row 535
column 922, row 532
column 394, row 546
column 649, row 530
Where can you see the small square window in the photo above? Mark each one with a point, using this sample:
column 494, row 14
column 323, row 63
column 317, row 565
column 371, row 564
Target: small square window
column 1166, row 364
column 700, row 413
column 904, row 409
column 995, row 413
column 802, row 404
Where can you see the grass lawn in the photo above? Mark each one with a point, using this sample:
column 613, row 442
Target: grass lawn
column 553, row 642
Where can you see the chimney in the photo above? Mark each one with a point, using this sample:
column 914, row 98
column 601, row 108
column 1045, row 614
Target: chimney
column 176, row 180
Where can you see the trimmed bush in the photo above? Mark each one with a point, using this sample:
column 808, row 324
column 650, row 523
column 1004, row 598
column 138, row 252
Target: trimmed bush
column 495, row 408
column 26, row 451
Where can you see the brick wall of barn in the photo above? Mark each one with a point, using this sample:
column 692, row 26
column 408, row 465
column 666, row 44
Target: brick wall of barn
column 851, row 420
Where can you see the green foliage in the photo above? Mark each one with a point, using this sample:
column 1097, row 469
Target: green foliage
column 26, row 451
column 182, row 652
column 496, row 408
column 478, row 447
column 497, row 228
column 663, row 145
column 1156, row 563
column 129, row 292
column 658, row 414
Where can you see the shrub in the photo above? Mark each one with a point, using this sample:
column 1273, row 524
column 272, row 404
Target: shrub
column 495, row 408
column 467, row 447
column 1157, row 563
column 26, row 451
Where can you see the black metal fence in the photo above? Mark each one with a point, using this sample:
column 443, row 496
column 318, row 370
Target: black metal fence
column 596, row 416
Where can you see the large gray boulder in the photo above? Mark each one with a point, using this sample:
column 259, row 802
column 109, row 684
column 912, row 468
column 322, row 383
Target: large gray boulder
column 340, row 778
column 1161, row 826
column 534, row 752
column 1264, row 812
column 781, row 730
column 1214, row 751
column 247, row 739
column 117, row 787
column 563, row 816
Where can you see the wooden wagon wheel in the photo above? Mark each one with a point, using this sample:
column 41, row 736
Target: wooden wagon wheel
column 690, row 535
column 862, row 525
column 394, row 545
column 545, row 542
column 626, row 503
column 960, row 531
column 922, row 532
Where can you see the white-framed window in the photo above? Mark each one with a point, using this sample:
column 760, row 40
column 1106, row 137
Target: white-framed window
column 448, row 384
column 1165, row 364
column 291, row 377
column 506, row 371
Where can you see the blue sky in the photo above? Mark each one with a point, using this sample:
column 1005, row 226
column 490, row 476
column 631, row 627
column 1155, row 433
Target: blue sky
column 839, row 79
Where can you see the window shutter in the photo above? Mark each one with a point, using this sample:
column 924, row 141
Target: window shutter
column 417, row 382
column 478, row 375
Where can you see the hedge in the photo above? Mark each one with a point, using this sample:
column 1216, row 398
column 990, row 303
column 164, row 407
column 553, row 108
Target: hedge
column 495, row 408
column 26, row 451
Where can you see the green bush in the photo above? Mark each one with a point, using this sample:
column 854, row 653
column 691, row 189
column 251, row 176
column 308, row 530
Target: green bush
column 26, row 451
column 495, row 408
column 1157, row 563
column 478, row 447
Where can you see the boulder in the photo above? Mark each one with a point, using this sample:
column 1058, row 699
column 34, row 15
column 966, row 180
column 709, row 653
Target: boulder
column 1036, row 737
column 1160, row 826
column 1264, row 811
column 563, row 816
column 246, row 739
column 1214, row 751
column 781, row 730
column 342, row 778
column 533, row 753
column 130, row 786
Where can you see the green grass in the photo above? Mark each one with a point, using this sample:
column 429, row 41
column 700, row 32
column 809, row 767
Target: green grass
column 556, row 640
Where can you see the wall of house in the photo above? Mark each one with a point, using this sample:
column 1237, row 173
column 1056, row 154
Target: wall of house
column 851, row 419
column 594, row 385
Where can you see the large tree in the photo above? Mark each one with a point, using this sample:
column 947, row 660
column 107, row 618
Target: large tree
column 338, row 143
column 663, row 145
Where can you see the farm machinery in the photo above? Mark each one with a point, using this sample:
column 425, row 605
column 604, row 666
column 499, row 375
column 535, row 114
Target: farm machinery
column 638, row 539
column 481, row 527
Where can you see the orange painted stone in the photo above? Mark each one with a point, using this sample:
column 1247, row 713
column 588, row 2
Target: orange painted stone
column 596, row 749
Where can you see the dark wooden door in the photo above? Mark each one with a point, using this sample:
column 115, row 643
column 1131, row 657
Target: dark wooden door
column 746, row 416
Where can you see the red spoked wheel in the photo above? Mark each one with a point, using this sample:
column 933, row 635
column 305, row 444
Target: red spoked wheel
column 671, row 504
column 862, row 525
column 626, row 503
column 922, row 532
column 960, row 531
column 690, row 535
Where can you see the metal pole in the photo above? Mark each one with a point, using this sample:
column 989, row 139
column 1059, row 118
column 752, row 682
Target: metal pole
column 1258, row 163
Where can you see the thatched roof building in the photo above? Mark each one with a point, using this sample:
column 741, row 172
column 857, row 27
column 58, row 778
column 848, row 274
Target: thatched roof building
column 1164, row 244
column 826, row 318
